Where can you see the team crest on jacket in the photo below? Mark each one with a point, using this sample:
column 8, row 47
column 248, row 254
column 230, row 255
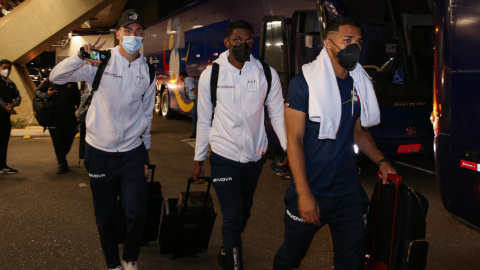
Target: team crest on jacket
column 133, row 16
column 252, row 85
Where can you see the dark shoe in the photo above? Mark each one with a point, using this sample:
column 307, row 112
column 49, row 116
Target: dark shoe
column 7, row 169
column 221, row 259
column 193, row 136
column 62, row 170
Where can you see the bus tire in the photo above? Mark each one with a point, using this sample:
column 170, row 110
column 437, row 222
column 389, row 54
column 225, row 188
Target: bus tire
column 167, row 113
column 158, row 104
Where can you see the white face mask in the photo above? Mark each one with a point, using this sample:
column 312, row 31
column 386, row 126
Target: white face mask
column 132, row 44
column 5, row 73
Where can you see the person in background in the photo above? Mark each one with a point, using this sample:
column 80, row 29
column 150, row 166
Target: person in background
column 191, row 86
column 66, row 99
column 9, row 99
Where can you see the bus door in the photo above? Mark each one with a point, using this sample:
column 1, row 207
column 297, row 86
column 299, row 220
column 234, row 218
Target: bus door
column 273, row 50
column 273, row 46
column 308, row 33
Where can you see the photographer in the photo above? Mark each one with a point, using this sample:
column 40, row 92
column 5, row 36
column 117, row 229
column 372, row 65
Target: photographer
column 118, row 134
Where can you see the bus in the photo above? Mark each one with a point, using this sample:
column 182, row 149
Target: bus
column 397, row 53
column 456, row 114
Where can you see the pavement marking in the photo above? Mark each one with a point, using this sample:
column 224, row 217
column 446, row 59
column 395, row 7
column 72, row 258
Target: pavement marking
column 83, row 185
column 415, row 167
column 42, row 138
column 27, row 137
column 192, row 143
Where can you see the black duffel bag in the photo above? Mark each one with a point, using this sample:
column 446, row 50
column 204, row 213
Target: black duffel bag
column 43, row 111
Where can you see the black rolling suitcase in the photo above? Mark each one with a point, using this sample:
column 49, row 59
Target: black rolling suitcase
column 187, row 222
column 154, row 211
column 397, row 226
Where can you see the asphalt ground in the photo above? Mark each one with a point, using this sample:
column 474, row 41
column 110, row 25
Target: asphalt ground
column 47, row 221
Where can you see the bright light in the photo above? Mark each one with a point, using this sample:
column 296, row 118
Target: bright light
column 355, row 148
column 279, row 44
column 173, row 32
column 268, row 44
column 276, row 23
column 197, row 26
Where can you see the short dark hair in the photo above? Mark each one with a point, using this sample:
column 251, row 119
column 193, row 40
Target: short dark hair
column 334, row 24
column 5, row 61
column 183, row 73
column 238, row 24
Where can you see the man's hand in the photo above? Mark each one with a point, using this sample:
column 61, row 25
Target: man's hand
column 309, row 209
column 198, row 172
column 386, row 168
column 13, row 112
column 51, row 92
column 8, row 107
column 284, row 163
column 89, row 47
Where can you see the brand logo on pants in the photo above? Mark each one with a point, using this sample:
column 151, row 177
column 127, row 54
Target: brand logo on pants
column 96, row 175
column 295, row 217
column 225, row 179
column 235, row 258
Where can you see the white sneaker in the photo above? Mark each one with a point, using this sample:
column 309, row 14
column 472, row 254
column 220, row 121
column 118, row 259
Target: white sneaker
column 129, row 265
column 116, row 268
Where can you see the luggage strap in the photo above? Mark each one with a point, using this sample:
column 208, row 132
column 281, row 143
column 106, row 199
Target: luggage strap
column 98, row 75
column 214, row 84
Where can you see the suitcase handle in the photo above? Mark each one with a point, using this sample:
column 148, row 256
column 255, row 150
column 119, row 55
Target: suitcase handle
column 152, row 167
column 190, row 181
column 395, row 178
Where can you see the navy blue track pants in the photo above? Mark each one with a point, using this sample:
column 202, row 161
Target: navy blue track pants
column 346, row 218
column 109, row 173
column 235, row 185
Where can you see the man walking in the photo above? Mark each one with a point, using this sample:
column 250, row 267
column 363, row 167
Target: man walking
column 9, row 99
column 327, row 107
column 236, row 132
column 118, row 135
column 66, row 99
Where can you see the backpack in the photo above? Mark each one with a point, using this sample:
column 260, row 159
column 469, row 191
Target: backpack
column 214, row 83
column 85, row 104
column 43, row 110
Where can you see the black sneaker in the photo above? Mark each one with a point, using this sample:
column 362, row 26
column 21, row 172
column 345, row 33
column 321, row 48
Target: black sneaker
column 8, row 170
column 222, row 259
column 193, row 136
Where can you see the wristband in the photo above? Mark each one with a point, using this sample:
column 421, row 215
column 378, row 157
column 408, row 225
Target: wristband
column 383, row 160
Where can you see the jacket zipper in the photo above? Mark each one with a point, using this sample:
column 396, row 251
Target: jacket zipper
column 243, row 123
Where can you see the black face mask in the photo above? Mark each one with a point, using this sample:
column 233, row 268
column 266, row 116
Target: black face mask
column 241, row 52
column 348, row 57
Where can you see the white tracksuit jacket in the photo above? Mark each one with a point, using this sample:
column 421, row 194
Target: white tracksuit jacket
column 120, row 115
column 238, row 130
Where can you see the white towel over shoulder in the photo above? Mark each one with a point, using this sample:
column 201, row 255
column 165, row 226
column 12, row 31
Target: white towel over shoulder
column 325, row 104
